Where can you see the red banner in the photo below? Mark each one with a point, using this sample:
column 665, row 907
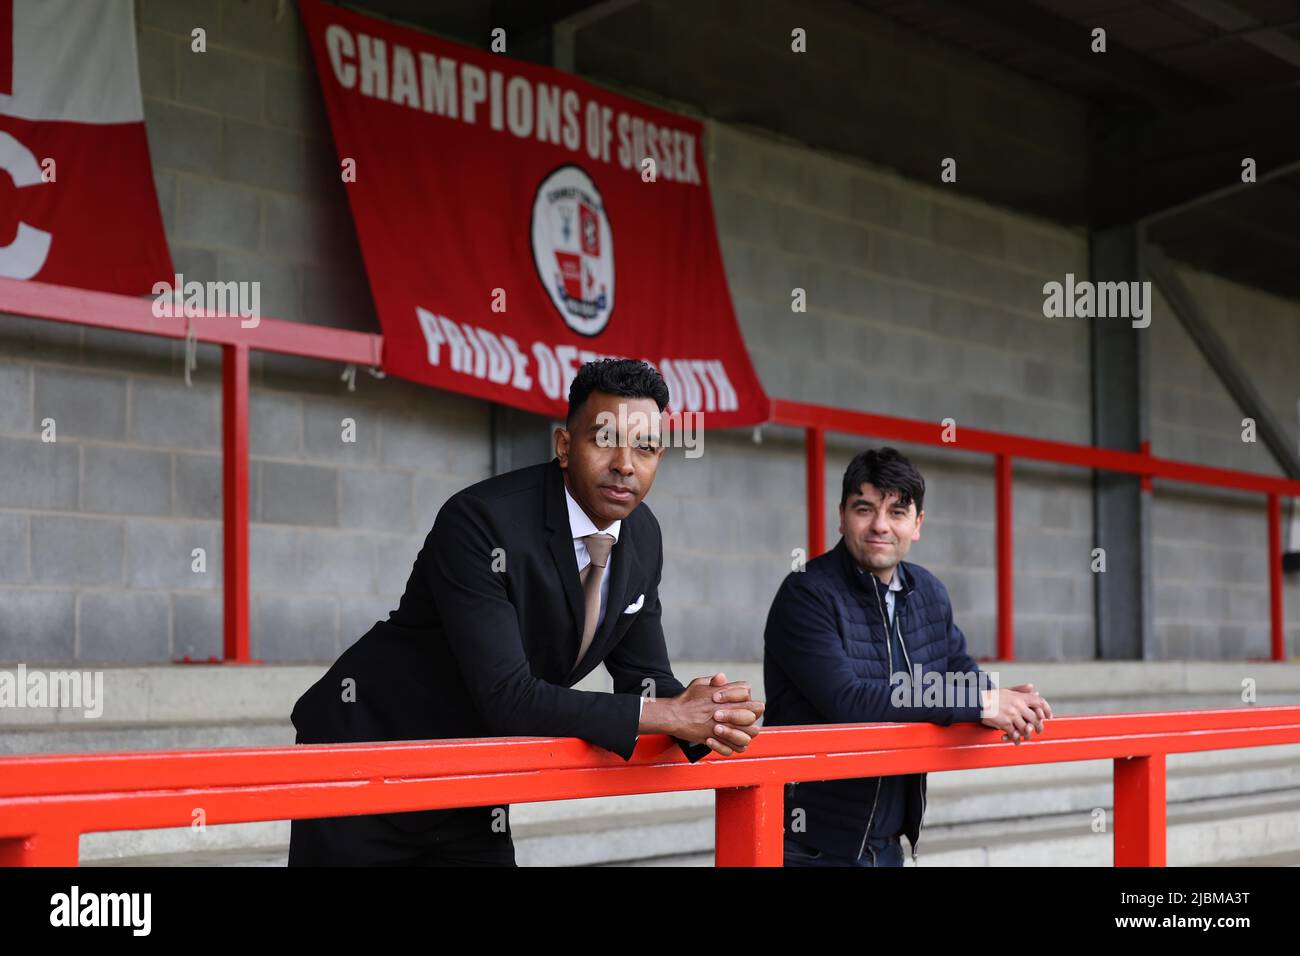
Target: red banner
column 517, row 221
column 77, row 199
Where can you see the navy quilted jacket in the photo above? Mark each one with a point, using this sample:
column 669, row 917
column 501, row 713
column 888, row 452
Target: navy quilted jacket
column 826, row 660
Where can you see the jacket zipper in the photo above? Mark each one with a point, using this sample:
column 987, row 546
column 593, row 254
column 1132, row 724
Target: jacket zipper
column 919, row 777
column 869, row 819
column 889, row 651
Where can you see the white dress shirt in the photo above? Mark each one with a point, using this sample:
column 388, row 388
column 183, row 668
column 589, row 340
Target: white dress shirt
column 895, row 585
column 580, row 525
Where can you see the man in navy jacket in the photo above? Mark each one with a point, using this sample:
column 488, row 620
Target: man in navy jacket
column 855, row 637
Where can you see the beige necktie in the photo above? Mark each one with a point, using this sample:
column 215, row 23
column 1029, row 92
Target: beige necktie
column 598, row 547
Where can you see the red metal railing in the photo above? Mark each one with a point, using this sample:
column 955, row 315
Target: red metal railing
column 817, row 420
column 129, row 314
column 47, row 801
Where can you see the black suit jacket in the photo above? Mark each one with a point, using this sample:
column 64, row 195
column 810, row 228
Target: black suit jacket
column 484, row 640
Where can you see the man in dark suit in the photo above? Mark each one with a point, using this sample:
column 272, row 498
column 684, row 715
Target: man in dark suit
column 526, row 582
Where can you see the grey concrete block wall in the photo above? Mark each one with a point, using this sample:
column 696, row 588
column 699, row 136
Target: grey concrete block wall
column 1210, row 546
column 730, row 520
column 244, row 162
column 100, row 527
column 919, row 304
column 901, row 312
column 922, row 305
column 249, row 190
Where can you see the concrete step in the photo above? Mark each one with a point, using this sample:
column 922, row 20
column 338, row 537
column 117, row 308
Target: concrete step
column 127, row 736
column 176, row 694
column 681, row 859
column 1128, row 704
column 108, row 736
column 280, row 857
column 172, row 694
column 647, row 822
column 1001, row 793
column 1200, row 832
column 1239, row 832
column 129, row 847
column 631, row 836
column 268, row 856
column 1286, row 858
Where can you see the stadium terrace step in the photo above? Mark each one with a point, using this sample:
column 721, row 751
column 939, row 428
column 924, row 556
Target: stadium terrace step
column 263, row 856
column 976, row 817
column 1011, row 793
column 1200, row 832
column 114, row 737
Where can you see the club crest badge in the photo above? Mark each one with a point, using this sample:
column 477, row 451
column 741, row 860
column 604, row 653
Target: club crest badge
column 573, row 249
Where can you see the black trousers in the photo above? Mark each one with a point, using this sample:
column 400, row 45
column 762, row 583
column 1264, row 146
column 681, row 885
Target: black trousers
column 422, row 838
column 875, row 853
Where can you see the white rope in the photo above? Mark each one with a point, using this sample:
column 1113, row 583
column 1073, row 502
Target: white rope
column 191, row 351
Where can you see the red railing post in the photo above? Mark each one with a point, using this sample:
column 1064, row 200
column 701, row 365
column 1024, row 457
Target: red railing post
column 47, row 848
column 1277, row 633
column 234, row 498
column 1140, row 810
column 815, row 452
column 748, row 826
column 1005, row 536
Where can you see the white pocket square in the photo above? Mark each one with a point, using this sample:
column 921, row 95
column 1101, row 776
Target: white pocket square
column 635, row 605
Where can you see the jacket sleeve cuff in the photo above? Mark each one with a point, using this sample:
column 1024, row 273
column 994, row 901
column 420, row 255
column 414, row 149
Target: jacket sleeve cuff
column 639, row 714
column 622, row 738
column 693, row 752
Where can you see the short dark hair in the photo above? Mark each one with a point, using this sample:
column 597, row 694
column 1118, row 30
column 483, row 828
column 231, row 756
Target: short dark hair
column 631, row 378
column 889, row 472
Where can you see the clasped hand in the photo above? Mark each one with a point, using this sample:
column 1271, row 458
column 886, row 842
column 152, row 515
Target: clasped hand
column 1020, row 710
column 719, row 713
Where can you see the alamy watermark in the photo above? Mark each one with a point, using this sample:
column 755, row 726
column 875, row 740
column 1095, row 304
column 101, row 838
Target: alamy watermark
column 1103, row 300
column 635, row 428
column 82, row 690
column 74, row 908
column 203, row 299
column 944, row 689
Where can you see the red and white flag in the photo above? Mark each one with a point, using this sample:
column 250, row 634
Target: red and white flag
column 517, row 221
column 77, row 199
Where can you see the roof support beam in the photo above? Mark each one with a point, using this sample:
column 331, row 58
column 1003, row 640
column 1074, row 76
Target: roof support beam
column 1235, row 378
column 1121, row 504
